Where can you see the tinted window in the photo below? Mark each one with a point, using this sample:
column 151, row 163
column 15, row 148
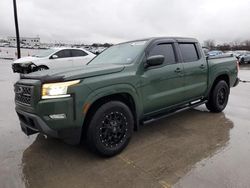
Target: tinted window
column 188, row 52
column 63, row 54
column 77, row 53
column 166, row 50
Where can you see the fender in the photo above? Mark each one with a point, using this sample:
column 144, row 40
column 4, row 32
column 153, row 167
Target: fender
column 215, row 76
column 118, row 89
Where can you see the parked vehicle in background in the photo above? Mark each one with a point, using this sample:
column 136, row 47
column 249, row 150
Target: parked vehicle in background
column 97, row 50
column 214, row 53
column 205, row 50
column 53, row 58
column 238, row 53
column 124, row 86
column 232, row 53
column 4, row 44
column 244, row 57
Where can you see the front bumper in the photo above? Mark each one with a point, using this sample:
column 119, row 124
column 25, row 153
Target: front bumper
column 32, row 124
column 38, row 116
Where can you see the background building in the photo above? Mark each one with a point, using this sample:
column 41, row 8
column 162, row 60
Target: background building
column 25, row 41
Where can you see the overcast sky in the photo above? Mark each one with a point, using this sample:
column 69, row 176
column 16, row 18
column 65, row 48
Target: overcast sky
column 120, row 20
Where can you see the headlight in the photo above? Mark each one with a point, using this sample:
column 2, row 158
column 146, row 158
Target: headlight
column 57, row 90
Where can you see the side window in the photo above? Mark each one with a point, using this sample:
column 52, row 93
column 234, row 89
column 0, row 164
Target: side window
column 63, row 54
column 78, row 53
column 188, row 52
column 166, row 50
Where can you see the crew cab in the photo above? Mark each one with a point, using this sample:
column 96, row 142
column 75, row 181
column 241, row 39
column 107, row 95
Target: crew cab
column 130, row 83
column 52, row 58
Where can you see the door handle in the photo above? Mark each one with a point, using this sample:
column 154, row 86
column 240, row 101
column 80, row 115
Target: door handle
column 202, row 66
column 178, row 70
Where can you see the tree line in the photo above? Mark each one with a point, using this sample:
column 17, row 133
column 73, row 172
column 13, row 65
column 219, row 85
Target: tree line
column 231, row 46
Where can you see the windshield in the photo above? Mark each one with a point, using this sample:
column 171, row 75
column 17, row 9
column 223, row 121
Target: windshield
column 124, row 53
column 45, row 53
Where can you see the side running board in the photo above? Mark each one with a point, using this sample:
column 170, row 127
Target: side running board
column 172, row 112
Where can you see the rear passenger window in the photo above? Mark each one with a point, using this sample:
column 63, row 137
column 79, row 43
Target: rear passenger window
column 63, row 54
column 188, row 52
column 166, row 50
column 78, row 53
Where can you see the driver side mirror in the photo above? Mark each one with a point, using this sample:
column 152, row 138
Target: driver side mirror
column 54, row 57
column 154, row 60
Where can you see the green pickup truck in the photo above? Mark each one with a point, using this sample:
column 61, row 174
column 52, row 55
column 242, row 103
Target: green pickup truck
column 130, row 83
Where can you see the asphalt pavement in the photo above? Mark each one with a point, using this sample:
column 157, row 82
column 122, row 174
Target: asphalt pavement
column 194, row 148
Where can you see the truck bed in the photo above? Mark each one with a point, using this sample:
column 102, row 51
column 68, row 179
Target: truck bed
column 224, row 64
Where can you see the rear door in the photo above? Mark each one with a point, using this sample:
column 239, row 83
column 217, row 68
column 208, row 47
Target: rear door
column 162, row 85
column 79, row 57
column 63, row 59
column 195, row 70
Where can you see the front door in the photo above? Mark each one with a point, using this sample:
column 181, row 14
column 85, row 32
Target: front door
column 162, row 85
column 79, row 57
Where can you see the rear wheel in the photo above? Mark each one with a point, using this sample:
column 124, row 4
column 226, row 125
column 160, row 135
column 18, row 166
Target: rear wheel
column 218, row 97
column 110, row 128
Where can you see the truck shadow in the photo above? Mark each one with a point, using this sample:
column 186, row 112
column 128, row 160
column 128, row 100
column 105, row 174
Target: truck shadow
column 159, row 154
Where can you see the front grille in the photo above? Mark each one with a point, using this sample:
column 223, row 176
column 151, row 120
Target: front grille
column 23, row 94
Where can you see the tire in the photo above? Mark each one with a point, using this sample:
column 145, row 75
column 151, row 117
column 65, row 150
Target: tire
column 218, row 97
column 110, row 129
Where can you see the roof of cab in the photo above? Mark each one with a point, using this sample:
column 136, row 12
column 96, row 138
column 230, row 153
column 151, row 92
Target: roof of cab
column 174, row 39
column 177, row 39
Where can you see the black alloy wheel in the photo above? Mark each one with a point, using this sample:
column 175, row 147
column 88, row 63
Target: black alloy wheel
column 113, row 130
column 110, row 128
column 221, row 96
column 218, row 97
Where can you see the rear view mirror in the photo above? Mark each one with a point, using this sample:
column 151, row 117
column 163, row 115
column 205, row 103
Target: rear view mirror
column 54, row 57
column 155, row 60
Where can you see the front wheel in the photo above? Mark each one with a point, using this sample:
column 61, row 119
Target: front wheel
column 218, row 97
column 110, row 128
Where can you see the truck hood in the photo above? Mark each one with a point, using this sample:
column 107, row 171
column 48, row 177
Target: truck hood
column 73, row 73
column 26, row 60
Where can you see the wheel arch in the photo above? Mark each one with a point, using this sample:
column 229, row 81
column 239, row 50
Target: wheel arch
column 218, row 78
column 126, row 95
